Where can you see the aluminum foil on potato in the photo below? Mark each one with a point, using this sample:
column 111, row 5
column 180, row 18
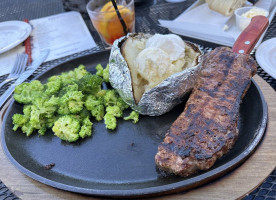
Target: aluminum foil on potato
column 159, row 99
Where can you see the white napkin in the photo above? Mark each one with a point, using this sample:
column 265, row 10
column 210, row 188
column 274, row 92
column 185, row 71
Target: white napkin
column 203, row 23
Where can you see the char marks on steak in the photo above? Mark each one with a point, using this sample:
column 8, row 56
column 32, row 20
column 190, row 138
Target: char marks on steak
column 207, row 129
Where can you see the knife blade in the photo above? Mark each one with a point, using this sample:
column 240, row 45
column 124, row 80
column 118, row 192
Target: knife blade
column 37, row 62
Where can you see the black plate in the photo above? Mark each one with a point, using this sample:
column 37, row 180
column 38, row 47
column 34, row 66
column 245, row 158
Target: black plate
column 121, row 162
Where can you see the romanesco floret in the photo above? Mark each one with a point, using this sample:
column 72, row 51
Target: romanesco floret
column 27, row 128
column 110, row 121
column 106, row 74
column 18, row 120
column 45, row 107
column 72, row 102
column 74, row 75
column 103, row 72
column 53, row 78
column 41, row 112
column 86, row 128
column 43, row 129
column 122, row 104
column 100, row 95
column 37, row 119
column 90, row 84
column 67, row 77
column 110, row 98
column 70, row 87
column 63, row 109
column 80, row 71
column 91, row 102
column 50, row 121
column 27, row 92
column 84, row 114
column 67, row 128
column 98, row 112
column 53, row 101
column 114, row 110
column 27, row 109
column 134, row 116
column 53, row 85
column 99, row 69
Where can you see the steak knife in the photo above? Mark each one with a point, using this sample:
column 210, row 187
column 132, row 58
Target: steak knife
column 36, row 63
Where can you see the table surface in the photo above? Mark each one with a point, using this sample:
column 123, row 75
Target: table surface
column 147, row 15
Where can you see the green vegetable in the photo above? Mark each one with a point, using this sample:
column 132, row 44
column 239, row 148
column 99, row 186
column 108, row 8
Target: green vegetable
column 86, row 128
column 106, row 74
column 73, row 100
column 73, row 76
column 134, row 116
column 18, row 121
column 67, row 128
column 28, row 129
column 114, row 110
column 110, row 121
column 27, row 92
column 110, row 98
column 122, row 105
column 53, row 85
column 90, row 84
column 27, row 109
column 67, row 103
column 99, row 69
column 42, row 111
column 84, row 114
column 103, row 72
column 100, row 94
column 98, row 112
column 66, row 88
column 95, row 105
column 91, row 102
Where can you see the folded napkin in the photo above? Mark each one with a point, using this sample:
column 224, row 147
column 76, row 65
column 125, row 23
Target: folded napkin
column 202, row 23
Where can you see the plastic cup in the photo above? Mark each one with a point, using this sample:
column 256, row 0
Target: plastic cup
column 241, row 21
column 106, row 21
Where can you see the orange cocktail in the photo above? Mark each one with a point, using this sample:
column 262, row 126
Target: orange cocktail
column 106, row 21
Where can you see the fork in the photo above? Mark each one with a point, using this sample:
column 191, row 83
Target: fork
column 18, row 67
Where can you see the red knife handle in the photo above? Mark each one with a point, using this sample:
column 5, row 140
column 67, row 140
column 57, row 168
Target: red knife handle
column 28, row 47
column 250, row 36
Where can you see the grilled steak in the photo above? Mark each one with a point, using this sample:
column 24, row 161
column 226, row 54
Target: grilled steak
column 207, row 129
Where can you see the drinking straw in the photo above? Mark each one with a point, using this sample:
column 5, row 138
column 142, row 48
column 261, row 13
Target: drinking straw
column 120, row 17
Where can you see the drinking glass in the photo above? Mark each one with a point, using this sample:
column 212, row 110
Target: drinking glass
column 106, row 20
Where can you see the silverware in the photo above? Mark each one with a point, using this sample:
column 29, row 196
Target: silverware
column 18, row 67
column 37, row 62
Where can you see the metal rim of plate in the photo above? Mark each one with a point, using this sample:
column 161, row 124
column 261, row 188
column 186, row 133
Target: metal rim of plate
column 22, row 26
column 150, row 191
